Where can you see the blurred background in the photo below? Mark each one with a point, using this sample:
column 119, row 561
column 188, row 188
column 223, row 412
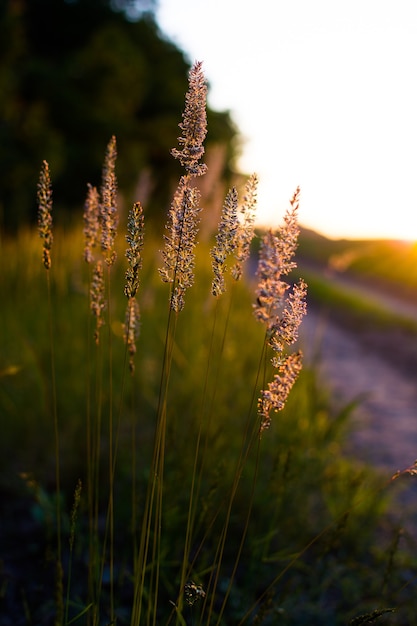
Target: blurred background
column 72, row 74
column 321, row 92
column 317, row 95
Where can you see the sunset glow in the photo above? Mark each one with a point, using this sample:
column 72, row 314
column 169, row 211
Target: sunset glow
column 324, row 96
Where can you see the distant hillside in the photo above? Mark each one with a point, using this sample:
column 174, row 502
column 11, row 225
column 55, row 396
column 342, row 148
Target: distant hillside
column 389, row 264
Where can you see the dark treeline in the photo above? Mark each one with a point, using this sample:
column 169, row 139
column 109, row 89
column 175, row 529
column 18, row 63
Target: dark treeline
column 72, row 74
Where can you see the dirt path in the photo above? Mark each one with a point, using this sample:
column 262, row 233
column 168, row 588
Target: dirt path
column 386, row 417
column 379, row 368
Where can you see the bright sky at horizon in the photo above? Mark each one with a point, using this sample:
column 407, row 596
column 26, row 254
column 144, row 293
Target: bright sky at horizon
column 324, row 94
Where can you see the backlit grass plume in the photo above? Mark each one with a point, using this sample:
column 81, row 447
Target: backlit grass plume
column 281, row 313
column 246, row 228
column 108, row 209
column 133, row 253
column 225, row 241
column 97, row 299
column 178, row 254
column 183, row 217
column 91, row 222
column 194, row 124
column 134, row 238
column 45, row 213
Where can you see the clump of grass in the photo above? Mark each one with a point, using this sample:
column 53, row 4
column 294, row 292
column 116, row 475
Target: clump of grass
column 199, row 505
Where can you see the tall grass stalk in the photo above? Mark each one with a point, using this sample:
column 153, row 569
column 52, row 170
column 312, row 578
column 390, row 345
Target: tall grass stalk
column 178, row 271
column 232, row 235
column 45, row 232
column 109, row 222
column 96, row 305
column 100, row 230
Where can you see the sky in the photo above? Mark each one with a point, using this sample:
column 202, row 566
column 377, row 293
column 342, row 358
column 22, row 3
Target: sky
column 324, row 93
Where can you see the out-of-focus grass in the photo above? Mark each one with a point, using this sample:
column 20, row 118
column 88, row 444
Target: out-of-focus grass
column 349, row 304
column 389, row 264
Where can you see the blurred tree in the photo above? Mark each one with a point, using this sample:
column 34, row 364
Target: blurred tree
column 75, row 72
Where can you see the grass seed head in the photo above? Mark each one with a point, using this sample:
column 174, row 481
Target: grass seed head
column 246, row 229
column 194, row 124
column 134, row 238
column 225, row 241
column 108, row 209
column 271, row 288
column 281, row 315
column 97, row 301
column 45, row 213
column 178, row 255
column 275, row 396
column 91, row 222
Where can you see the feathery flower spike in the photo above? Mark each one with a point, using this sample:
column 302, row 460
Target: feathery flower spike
column 246, row 230
column 281, row 315
column 183, row 219
column 108, row 209
column 271, row 288
column 275, row 397
column 276, row 260
column 285, row 329
column 91, row 222
column 134, row 238
column 131, row 330
column 97, row 301
column 194, row 124
column 225, row 241
column 178, row 255
column 45, row 213
column 287, row 241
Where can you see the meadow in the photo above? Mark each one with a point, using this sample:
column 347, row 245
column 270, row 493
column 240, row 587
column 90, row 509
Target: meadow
column 173, row 465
